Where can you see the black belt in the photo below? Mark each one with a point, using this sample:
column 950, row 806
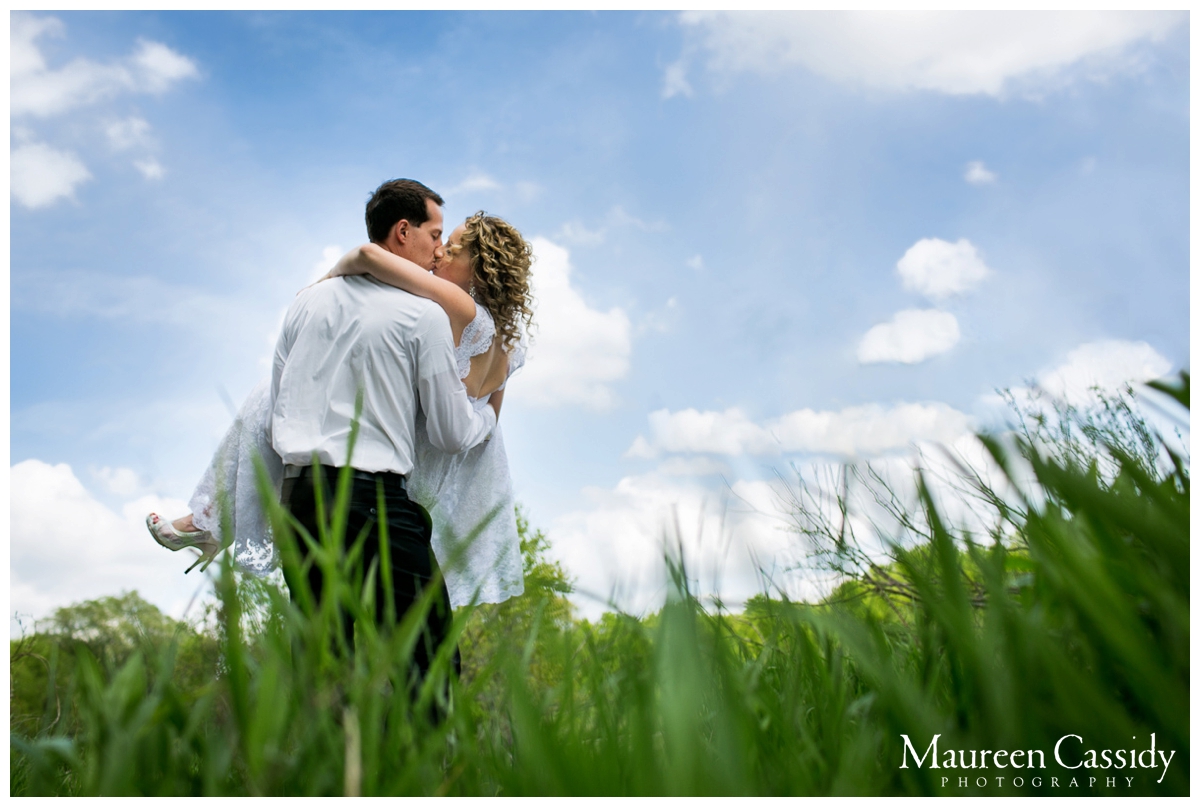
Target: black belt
column 391, row 482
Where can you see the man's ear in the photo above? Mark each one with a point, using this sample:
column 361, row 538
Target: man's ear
column 400, row 231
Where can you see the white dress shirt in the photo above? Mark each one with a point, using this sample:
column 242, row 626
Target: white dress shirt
column 350, row 333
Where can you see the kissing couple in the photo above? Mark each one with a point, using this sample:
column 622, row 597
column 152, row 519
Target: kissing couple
column 428, row 334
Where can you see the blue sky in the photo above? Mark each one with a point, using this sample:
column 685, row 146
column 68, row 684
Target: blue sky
column 732, row 214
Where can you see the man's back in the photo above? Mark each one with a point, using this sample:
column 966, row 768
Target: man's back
column 352, row 333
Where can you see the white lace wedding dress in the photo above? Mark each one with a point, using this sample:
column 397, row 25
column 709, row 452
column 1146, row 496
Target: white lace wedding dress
column 469, row 495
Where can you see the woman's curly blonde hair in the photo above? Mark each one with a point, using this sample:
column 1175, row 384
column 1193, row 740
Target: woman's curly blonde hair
column 500, row 260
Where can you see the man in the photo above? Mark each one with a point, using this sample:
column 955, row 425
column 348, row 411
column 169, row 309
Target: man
column 352, row 334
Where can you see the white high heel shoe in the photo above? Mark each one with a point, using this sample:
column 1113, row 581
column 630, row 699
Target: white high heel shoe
column 166, row 535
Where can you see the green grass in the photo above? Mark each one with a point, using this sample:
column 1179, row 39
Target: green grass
column 1077, row 622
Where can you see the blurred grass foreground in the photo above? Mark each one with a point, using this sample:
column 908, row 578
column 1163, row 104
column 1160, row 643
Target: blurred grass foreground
column 1043, row 653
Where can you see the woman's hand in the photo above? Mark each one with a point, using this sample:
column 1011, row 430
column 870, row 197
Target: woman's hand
column 353, row 262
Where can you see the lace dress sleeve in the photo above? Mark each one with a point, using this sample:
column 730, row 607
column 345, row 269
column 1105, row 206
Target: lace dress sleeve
column 516, row 359
column 476, row 338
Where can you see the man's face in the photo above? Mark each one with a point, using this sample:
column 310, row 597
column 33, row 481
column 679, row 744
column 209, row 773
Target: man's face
column 423, row 245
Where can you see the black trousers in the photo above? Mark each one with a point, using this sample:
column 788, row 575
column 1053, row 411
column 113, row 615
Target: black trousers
column 412, row 560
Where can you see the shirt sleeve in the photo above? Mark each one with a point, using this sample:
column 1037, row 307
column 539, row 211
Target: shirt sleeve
column 452, row 422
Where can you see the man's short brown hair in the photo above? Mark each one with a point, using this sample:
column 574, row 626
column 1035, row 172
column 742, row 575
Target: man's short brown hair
column 394, row 200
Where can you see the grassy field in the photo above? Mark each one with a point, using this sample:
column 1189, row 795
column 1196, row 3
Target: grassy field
column 1070, row 620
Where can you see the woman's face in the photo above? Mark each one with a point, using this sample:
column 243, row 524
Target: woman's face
column 455, row 264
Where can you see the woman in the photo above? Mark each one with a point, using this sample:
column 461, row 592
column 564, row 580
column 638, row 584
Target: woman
column 482, row 283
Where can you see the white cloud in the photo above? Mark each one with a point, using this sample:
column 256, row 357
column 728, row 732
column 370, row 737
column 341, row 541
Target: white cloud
column 692, row 466
column 736, row 535
column 39, row 91
column 614, row 545
column 121, row 481
column 959, row 53
column 661, row 320
column 641, row 449
column 939, row 269
column 695, row 262
column 856, row 431
column 150, row 168
column 737, row 538
column 41, row 174
column 731, row 432
column 474, row 183
column 22, row 134
column 869, row 430
column 125, row 134
column 614, row 548
column 157, row 67
column 575, row 232
column 66, row 546
column 675, row 80
column 978, row 174
column 1108, row 364
column 577, row 351
column 24, row 56
column 912, row 336
column 875, row 493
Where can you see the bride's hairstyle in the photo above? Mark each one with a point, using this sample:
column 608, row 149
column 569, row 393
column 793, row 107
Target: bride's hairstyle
column 500, row 259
